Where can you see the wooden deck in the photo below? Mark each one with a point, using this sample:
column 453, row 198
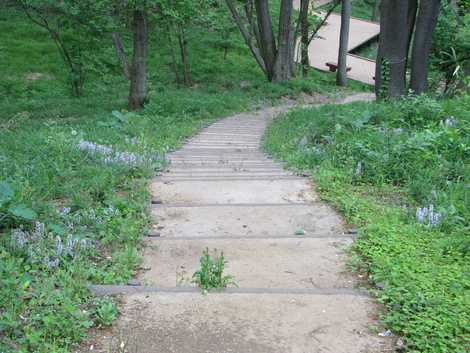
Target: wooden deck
column 324, row 48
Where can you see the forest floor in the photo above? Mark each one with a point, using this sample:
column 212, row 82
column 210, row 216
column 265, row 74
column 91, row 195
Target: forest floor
column 284, row 249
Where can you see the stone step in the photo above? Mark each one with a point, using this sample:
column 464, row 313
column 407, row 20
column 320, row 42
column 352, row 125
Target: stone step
column 245, row 220
column 202, row 162
column 224, row 175
column 234, row 139
column 227, row 134
column 234, row 191
column 244, row 323
column 222, row 168
column 254, row 263
column 218, row 159
column 218, row 154
column 217, row 150
column 227, row 179
column 227, row 145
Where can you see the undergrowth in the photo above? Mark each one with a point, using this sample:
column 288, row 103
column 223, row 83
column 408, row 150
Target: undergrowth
column 400, row 172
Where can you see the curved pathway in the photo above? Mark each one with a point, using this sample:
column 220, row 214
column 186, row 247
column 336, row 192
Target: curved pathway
column 284, row 248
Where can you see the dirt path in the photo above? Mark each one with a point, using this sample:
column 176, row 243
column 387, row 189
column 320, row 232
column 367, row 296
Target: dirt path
column 283, row 247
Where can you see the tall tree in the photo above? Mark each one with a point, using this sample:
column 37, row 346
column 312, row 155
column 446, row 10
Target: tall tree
column 341, row 75
column 425, row 25
column 274, row 54
column 138, row 81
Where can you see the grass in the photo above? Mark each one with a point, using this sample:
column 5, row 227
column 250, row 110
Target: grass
column 81, row 166
column 378, row 163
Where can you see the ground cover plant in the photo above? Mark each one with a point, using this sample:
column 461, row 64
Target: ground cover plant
column 74, row 171
column 400, row 172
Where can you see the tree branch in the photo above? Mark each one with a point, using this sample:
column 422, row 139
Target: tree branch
column 320, row 25
column 245, row 34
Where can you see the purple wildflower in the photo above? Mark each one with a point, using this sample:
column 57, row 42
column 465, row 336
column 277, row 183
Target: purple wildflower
column 427, row 216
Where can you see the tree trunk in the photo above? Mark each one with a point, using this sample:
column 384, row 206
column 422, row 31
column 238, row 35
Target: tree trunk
column 411, row 21
column 247, row 35
column 174, row 61
column 276, row 59
column 267, row 41
column 119, row 47
column 425, row 25
column 304, row 40
column 341, row 75
column 390, row 75
column 284, row 66
column 138, row 86
column 184, row 55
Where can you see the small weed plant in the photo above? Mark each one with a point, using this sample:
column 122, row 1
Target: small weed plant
column 211, row 273
column 105, row 312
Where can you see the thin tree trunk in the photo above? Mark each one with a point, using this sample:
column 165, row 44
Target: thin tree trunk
column 119, row 47
column 138, row 85
column 390, row 75
column 248, row 38
column 341, row 75
column 184, row 55
column 267, row 41
column 174, row 62
column 304, row 43
column 76, row 77
column 411, row 21
column 284, row 68
column 276, row 58
column 425, row 25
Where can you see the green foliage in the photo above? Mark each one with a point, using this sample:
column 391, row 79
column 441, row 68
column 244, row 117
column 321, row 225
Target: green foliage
column 377, row 163
column 105, row 312
column 74, row 27
column 211, row 273
column 12, row 211
column 385, row 77
column 450, row 58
